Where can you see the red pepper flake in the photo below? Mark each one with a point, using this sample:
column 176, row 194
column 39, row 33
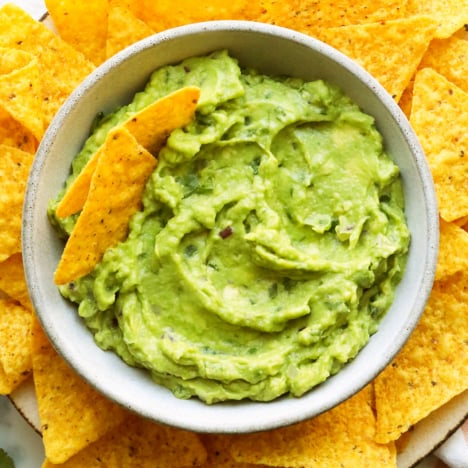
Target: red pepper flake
column 226, row 232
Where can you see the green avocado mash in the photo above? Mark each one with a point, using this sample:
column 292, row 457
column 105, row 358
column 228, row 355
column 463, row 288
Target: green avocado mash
column 270, row 244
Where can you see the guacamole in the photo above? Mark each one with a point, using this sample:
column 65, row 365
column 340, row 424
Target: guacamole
column 270, row 243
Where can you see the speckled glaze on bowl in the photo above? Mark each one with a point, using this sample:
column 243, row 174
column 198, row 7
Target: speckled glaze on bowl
column 271, row 50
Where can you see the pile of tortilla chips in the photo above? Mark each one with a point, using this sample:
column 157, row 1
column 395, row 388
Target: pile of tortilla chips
column 419, row 52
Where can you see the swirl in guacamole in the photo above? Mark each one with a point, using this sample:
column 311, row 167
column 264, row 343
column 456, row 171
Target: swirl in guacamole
column 270, row 243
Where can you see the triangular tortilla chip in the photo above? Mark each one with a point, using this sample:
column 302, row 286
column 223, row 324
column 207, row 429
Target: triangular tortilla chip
column 83, row 25
column 440, row 120
column 150, row 127
column 343, row 436
column 450, row 15
column 311, row 15
column 15, row 349
column 12, row 280
column 449, row 57
column 76, row 195
column 164, row 14
column 115, row 193
column 453, row 238
column 389, row 50
column 218, row 451
column 406, row 100
column 61, row 67
column 140, row 443
column 14, row 172
column 124, row 29
column 72, row 413
column 153, row 124
column 432, row 367
column 21, row 89
column 13, row 134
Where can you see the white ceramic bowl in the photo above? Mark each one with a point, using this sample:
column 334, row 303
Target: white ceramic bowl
column 271, row 50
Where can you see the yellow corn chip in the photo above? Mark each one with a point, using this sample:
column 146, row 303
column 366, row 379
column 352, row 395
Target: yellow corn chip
column 343, row 436
column 75, row 197
column 450, row 15
column 139, row 443
column 406, row 100
column 452, row 239
column 12, row 133
column 449, row 57
column 114, row 196
column 462, row 222
column 432, row 367
column 150, row 127
column 14, row 171
column 15, row 349
column 124, row 29
column 134, row 6
column 82, row 25
column 389, row 50
column 219, row 456
column 440, row 120
column 61, row 67
column 12, row 280
column 312, row 15
column 72, row 413
column 462, row 33
column 21, row 89
column 166, row 14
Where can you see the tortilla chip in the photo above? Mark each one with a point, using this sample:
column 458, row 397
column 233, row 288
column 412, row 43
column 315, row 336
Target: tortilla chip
column 343, row 436
column 14, row 172
column 449, row 57
column 21, row 89
column 389, row 50
column 218, row 453
column 452, row 239
column 462, row 222
column 153, row 124
column 162, row 15
column 450, row 15
column 83, row 25
column 462, row 33
column 440, row 120
column 150, row 127
column 115, row 193
column 406, row 100
column 432, row 367
column 12, row 133
column 15, row 349
column 72, row 413
column 140, row 443
column 61, row 67
column 13, row 282
column 75, row 197
column 124, row 29
column 312, row 15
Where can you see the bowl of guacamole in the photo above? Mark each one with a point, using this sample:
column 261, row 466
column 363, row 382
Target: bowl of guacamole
column 284, row 246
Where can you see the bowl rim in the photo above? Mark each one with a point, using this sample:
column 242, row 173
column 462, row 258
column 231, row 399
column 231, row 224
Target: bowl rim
column 226, row 422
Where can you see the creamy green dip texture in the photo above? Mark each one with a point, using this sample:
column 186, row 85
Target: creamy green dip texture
column 270, row 244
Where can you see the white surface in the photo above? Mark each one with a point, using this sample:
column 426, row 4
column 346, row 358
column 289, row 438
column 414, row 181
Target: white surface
column 18, row 439
column 455, row 451
column 36, row 8
column 428, row 433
